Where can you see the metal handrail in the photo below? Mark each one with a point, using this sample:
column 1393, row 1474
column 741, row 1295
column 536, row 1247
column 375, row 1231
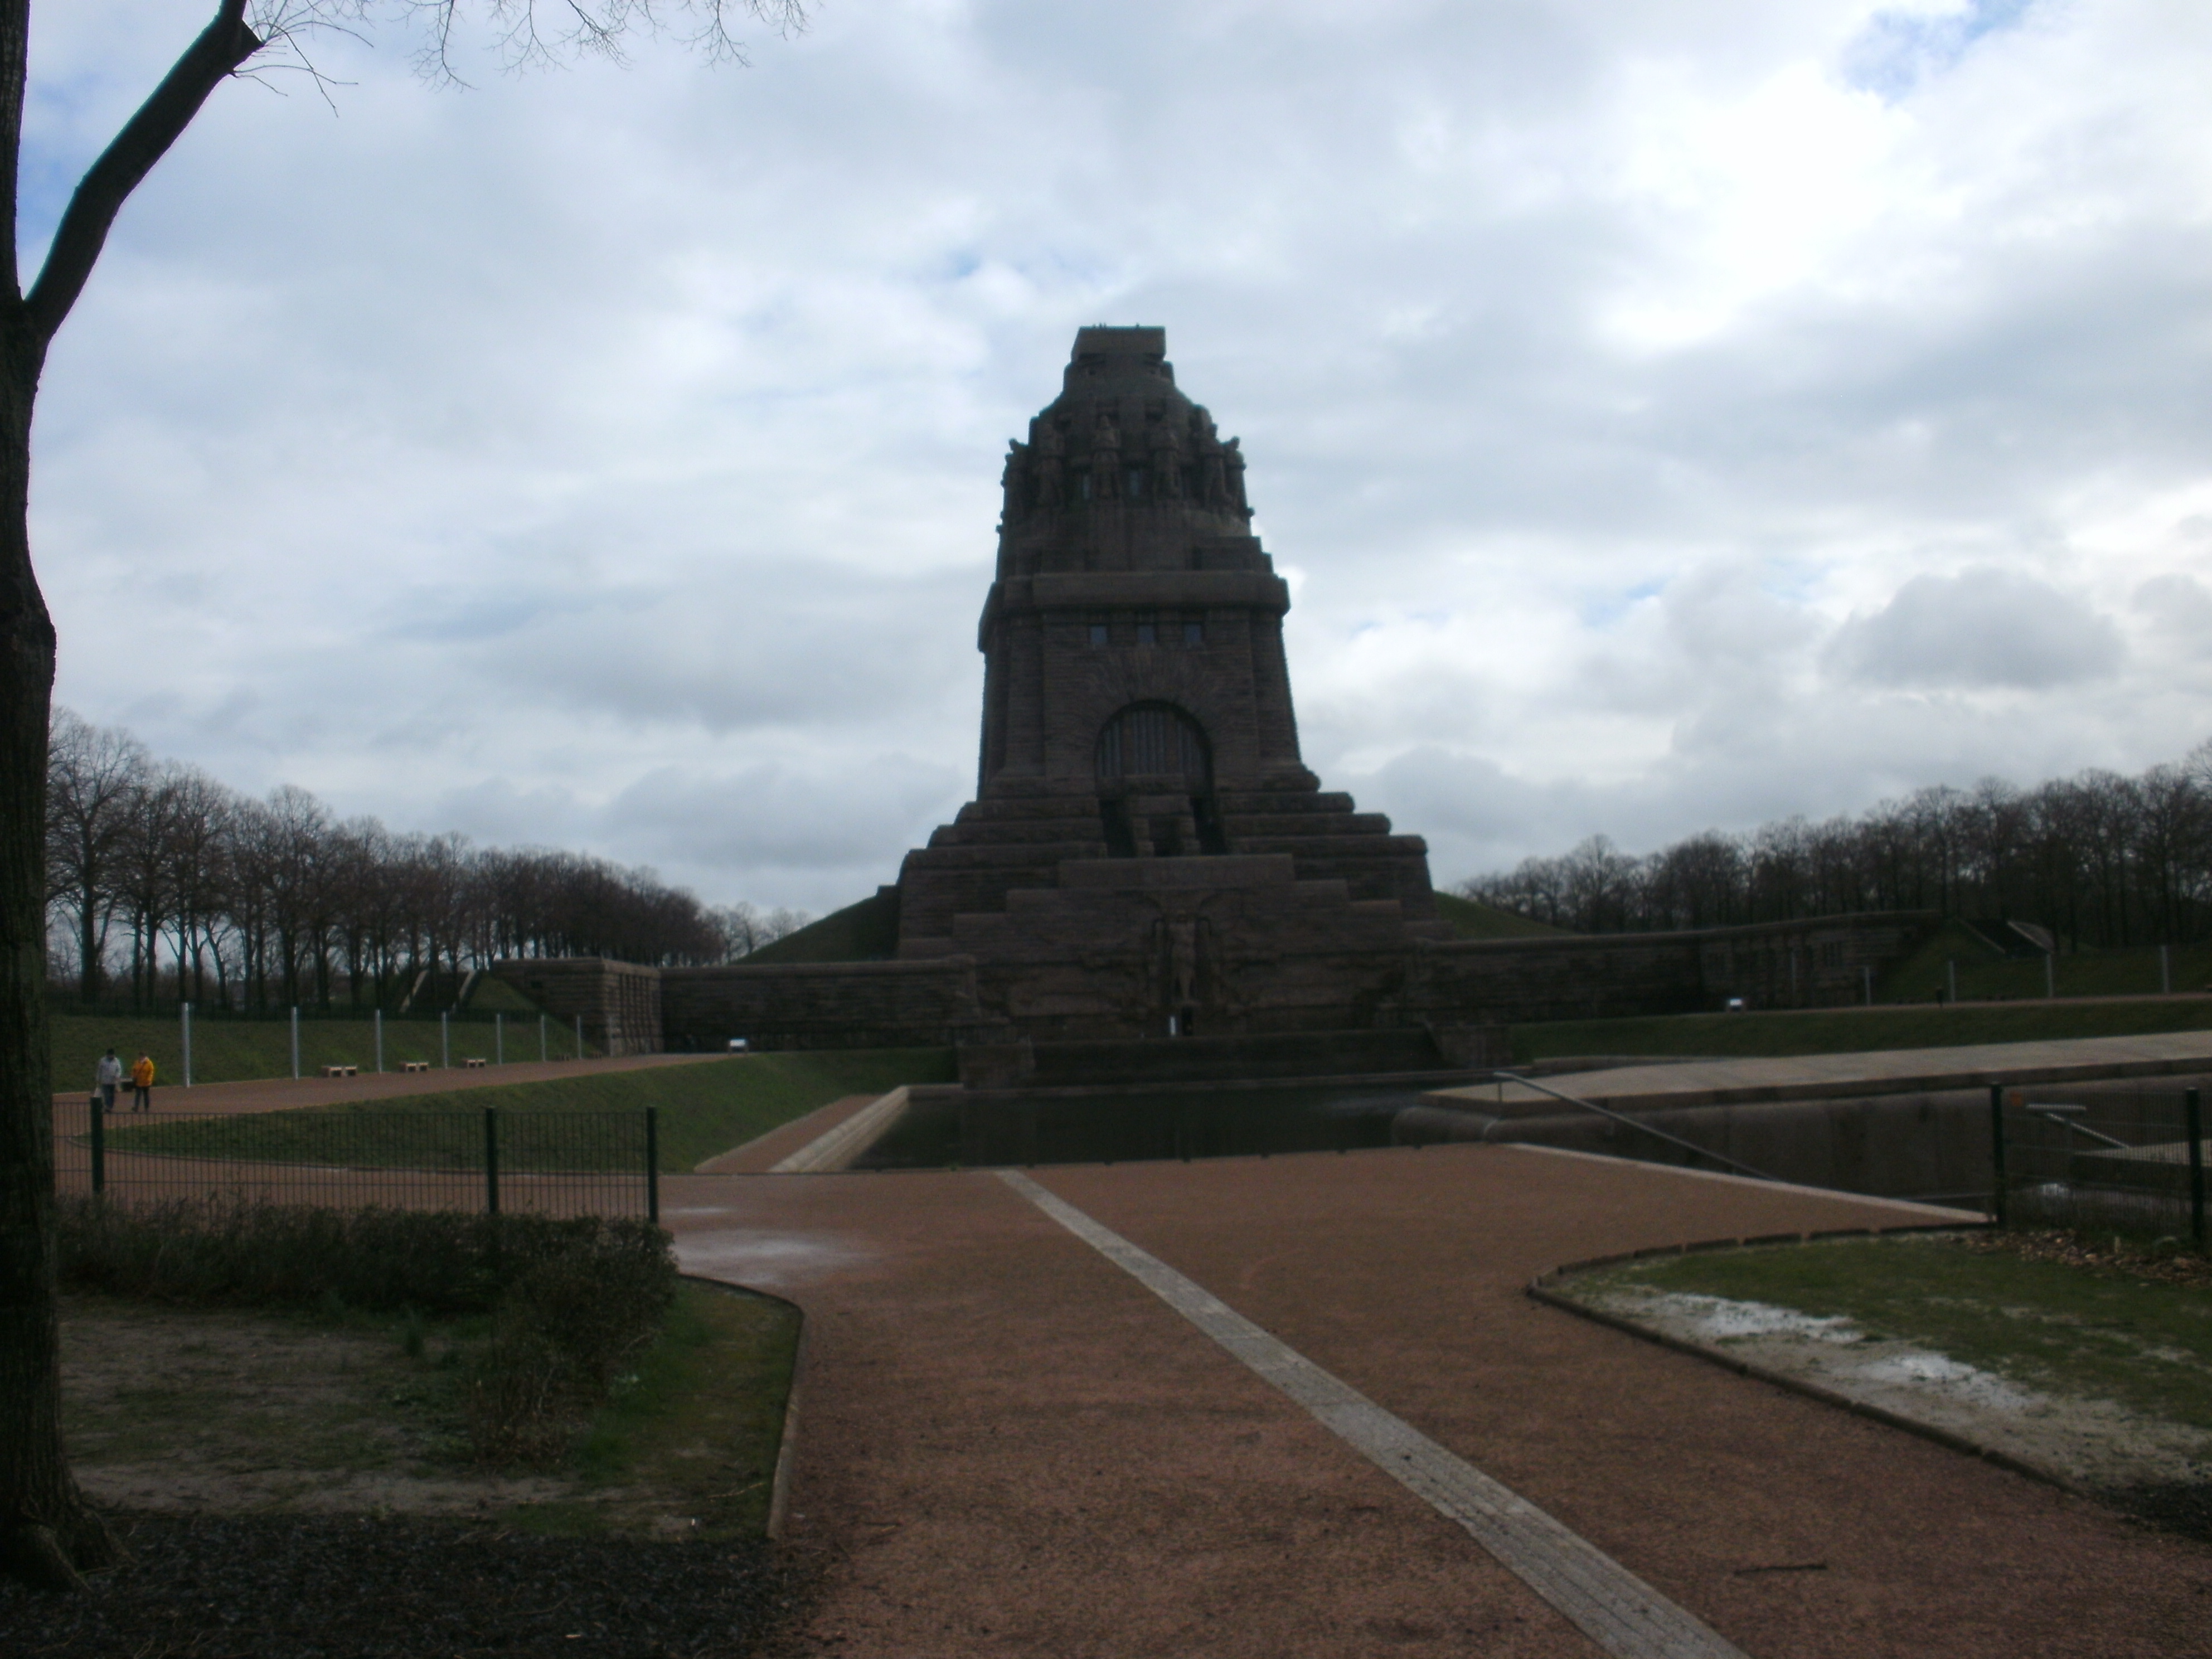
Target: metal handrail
column 1637, row 1123
column 2055, row 1113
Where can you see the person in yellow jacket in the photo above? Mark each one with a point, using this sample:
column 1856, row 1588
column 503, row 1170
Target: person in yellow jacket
column 141, row 1084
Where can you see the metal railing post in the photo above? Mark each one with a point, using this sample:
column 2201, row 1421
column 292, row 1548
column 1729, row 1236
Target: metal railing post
column 2164, row 971
column 187, row 1010
column 541, row 1039
column 446, row 1039
column 580, row 1036
column 296, row 1042
column 1867, row 974
column 379, row 1039
column 498, row 1039
column 1997, row 1152
column 2192, row 1105
column 2051, row 975
column 98, row 1148
column 491, row 1160
column 652, row 1164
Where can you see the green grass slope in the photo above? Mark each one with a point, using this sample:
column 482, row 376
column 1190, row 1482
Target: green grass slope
column 1472, row 919
column 705, row 1108
column 866, row 931
column 1985, row 975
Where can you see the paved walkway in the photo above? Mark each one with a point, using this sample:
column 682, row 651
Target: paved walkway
column 1893, row 1071
column 277, row 1094
column 1008, row 1445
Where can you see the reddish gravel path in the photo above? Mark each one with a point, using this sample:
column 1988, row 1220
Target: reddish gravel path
column 278, row 1094
column 1008, row 1446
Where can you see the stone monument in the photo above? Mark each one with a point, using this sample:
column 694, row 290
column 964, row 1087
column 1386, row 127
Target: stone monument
column 1147, row 855
column 1150, row 883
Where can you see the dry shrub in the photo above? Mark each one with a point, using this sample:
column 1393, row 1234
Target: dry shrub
column 573, row 1299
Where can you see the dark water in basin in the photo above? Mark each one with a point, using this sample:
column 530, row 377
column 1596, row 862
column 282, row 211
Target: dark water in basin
column 1120, row 1128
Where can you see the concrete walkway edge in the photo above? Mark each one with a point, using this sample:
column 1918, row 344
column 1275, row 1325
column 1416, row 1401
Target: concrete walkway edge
column 1617, row 1610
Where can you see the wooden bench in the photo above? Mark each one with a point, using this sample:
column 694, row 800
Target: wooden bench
column 341, row 1070
column 413, row 1065
column 473, row 1065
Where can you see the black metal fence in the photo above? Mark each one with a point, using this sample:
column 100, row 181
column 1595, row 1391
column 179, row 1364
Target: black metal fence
column 553, row 1162
column 2132, row 1162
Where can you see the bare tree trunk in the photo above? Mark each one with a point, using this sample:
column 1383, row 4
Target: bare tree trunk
column 48, row 1533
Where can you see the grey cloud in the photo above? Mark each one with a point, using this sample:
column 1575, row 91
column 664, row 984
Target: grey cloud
column 601, row 427
column 1982, row 627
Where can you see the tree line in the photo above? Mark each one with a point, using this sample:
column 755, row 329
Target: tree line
column 2102, row 860
column 162, row 882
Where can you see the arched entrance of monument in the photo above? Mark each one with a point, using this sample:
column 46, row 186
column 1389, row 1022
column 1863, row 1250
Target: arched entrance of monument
column 1155, row 771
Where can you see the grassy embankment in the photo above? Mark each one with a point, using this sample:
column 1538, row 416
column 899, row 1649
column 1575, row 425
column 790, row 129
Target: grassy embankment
column 705, row 1108
column 1854, row 1031
column 232, row 1051
column 1985, row 974
column 2048, row 1325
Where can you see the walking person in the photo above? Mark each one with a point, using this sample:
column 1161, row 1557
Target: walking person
column 141, row 1084
column 107, row 1076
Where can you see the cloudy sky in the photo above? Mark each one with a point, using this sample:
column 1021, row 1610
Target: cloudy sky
column 1669, row 413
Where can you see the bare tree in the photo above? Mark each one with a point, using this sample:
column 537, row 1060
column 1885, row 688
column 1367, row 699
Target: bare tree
column 48, row 1532
column 94, row 777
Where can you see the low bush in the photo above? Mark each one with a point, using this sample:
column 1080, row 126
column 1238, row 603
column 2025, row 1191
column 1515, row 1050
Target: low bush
column 573, row 1301
column 263, row 1254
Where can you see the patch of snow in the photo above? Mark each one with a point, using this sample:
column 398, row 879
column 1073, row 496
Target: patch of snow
column 1917, row 1367
column 1719, row 1318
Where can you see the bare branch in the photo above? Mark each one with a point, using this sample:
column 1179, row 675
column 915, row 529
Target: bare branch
column 225, row 44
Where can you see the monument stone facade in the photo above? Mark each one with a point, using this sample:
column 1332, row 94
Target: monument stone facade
column 1147, row 855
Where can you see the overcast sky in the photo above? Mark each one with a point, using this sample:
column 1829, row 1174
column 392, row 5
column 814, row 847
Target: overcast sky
column 1669, row 413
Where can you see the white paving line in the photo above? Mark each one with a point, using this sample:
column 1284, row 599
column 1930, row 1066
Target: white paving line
column 1613, row 1607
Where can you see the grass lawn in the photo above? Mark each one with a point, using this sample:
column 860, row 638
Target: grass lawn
column 2047, row 1325
column 1852, row 1030
column 227, row 1050
column 699, row 1426
column 705, row 1108
column 233, row 1410
column 1982, row 973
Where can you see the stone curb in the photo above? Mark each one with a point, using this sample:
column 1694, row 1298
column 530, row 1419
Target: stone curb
column 787, row 1445
column 1538, row 1289
column 835, row 1149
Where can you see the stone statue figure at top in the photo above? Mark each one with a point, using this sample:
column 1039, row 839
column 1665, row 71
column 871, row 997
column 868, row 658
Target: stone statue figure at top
column 1138, row 773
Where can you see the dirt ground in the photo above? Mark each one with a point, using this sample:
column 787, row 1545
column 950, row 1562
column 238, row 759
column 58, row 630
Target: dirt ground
column 207, row 1411
column 221, row 1413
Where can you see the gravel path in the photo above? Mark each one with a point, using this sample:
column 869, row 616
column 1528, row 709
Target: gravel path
column 352, row 1587
column 1008, row 1446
